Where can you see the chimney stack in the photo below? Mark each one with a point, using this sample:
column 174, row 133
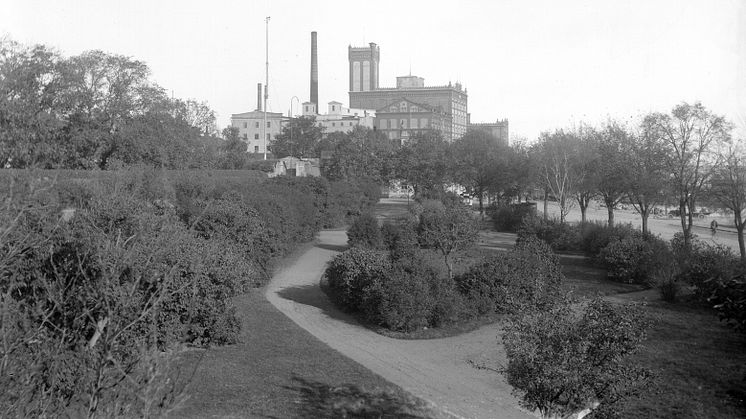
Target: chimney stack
column 314, row 72
column 259, row 96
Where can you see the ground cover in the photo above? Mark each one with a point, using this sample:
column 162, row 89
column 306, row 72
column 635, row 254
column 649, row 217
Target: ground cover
column 278, row 370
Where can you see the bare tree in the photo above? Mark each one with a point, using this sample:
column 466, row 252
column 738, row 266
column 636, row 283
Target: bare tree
column 646, row 175
column 691, row 134
column 556, row 172
column 612, row 169
column 728, row 187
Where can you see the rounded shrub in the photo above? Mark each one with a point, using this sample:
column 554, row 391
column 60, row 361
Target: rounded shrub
column 364, row 231
column 354, row 277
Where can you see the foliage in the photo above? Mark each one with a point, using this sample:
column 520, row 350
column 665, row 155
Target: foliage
column 562, row 361
column 354, row 276
column 364, row 231
column 525, row 279
column 729, row 299
column 300, row 137
column 704, row 265
column 447, row 228
column 423, row 163
column 361, row 153
column 509, row 218
column 400, row 239
column 634, row 258
column 559, row 236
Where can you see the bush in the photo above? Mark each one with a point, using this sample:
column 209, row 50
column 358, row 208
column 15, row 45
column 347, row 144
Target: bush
column 729, row 299
column 526, row 278
column 364, row 231
column 558, row 235
column 354, row 277
column 596, row 235
column 508, row 218
column 563, row 361
column 635, row 258
column 400, row 239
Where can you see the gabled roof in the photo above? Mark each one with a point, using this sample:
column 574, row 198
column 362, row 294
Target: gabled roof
column 385, row 109
column 335, row 102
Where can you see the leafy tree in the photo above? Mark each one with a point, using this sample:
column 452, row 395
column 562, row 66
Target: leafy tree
column 586, row 163
column 423, row 162
column 360, row 153
column 728, row 187
column 691, row 134
column 479, row 162
column 646, row 175
column 564, row 361
column 447, row 228
column 612, row 170
column 300, row 137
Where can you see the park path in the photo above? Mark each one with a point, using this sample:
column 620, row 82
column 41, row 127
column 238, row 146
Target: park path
column 439, row 371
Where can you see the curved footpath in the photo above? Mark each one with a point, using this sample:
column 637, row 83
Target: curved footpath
column 439, row 371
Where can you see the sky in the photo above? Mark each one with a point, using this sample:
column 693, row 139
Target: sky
column 543, row 65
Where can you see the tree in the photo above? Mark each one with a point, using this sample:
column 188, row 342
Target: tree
column 447, row 228
column 728, row 187
column 691, row 134
column 564, row 361
column 423, row 162
column 360, row 153
column 586, row 163
column 646, row 175
column 30, row 85
column 612, row 170
column 479, row 162
column 300, row 137
column 555, row 155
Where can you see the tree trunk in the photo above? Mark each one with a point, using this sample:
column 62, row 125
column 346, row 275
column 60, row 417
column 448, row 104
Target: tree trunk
column 449, row 265
column 610, row 210
column 739, row 228
column 682, row 216
column 481, row 205
column 546, row 204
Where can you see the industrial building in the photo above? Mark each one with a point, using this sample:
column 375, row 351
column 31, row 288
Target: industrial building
column 498, row 129
column 250, row 126
column 339, row 118
column 451, row 101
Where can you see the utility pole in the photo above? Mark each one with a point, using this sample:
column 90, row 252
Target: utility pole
column 266, row 83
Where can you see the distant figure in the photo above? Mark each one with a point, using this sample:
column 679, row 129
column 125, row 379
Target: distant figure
column 714, row 227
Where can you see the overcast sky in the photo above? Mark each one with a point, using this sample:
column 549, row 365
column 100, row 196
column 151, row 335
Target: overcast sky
column 541, row 64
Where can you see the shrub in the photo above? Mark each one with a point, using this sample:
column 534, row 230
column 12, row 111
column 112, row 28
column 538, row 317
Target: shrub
column 729, row 299
column 354, row 277
column 526, row 278
column 364, row 231
column 508, row 218
column 704, row 265
column 560, row 236
column 596, row 235
column 563, row 361
column 400, row 239
column 634, row 258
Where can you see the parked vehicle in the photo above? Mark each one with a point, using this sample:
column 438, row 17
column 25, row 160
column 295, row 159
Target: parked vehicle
column 677, row 213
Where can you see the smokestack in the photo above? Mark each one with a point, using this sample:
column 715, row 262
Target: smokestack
column 314, row 72
column 259, row 96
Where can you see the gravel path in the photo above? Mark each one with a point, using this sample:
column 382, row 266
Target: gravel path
column 437, row 370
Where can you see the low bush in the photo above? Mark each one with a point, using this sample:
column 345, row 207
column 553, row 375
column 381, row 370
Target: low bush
column 560, row 236
column 508, row 218
column 729, row 299
column 526, row 278
column 354, row 278
column 596, row 235
column 400, row 239
column 364, row 231
column 704, row 265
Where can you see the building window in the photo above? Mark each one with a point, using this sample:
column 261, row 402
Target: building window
column 333, row 124
column 268, row 123
column 413, row 123
column 256, row 149
column 333, row 107
column 245, row 125
column 256, row 125
column 256, row 136
column 392, row 124
column 423, row 123
column 245, row 137
column 267, row 137
column 402, row 123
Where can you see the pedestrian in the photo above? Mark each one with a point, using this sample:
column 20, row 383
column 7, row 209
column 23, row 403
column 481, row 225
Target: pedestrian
column 714, row 227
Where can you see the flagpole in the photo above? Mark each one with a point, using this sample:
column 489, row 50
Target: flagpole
column 266, row 83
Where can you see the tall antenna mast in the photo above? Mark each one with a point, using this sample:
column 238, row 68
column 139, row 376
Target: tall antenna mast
column 266, row 84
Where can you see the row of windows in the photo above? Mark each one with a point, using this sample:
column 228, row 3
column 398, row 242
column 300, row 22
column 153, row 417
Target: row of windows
column 341, row 124
column 256, row 136
column 256, row 124
column 403, row 123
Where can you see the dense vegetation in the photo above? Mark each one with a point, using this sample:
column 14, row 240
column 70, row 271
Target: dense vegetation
column 104, row 275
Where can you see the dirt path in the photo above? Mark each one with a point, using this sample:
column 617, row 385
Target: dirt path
column 437, row 370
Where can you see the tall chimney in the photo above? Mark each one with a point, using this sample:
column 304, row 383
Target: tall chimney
column 314, row 72
column 259, row 96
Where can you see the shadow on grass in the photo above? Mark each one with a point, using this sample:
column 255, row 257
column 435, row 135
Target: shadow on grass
column 320, row 400
column 333, row 247
column 312, row 295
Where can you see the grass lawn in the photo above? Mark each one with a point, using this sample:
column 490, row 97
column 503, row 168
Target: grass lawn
column 279, row 370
